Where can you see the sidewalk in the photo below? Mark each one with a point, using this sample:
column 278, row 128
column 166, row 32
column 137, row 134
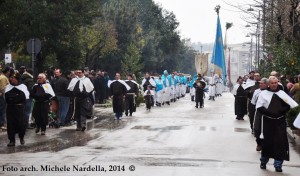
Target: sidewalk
column 57, row 138
column 293, row 136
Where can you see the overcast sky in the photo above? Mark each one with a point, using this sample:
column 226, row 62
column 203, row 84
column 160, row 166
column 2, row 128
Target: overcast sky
column 198, row 19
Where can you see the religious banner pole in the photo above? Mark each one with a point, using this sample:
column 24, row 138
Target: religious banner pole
column 218, row 58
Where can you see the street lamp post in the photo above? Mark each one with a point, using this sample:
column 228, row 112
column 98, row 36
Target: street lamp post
column 251, row 49
column 258, row 32
column 258, row 40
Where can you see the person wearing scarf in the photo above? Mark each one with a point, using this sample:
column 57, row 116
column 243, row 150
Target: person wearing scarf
column 263, row 85
column 199, row 86
column 273, row 104
column 42, row 92
column 118, row 90
column 15, row 96
column 250, row 87
column 131, row 95
column 82, row 87
column 240, row 99
column 147, row 81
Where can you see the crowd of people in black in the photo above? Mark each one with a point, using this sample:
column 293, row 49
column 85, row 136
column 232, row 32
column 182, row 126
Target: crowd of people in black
column 69, row 97
column 266, row 102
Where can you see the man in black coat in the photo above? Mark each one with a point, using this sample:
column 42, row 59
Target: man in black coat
column 81, row 87
column 15, row 96
column 199, row 86
column 100, row 88
column 130, row 99
column 118, row 90
column 273, row 104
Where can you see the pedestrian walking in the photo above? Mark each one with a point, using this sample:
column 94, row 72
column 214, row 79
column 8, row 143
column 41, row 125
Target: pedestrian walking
column 81, row 88
column 60, row 87
column 191, row 86
column 167, row 89
column 159, row 90
column 27, row 80
column 263, row 85
column 149, row 98
column 273, row 104
column 147, row 81
column 70, row 114
column 42, row 93
column 132, row 93
column 199, row 86
column 100, row 88
column 250, row 87
column 3, row 83
column 118, row 90
column 212, row 87
column 240, row 102
column 15, row 96
column 174, row 82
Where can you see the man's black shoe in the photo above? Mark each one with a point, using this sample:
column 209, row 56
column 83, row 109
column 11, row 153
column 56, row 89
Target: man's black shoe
column 68, row 124
column 22, row 141
column 263, row 166
column 83, row 129
column 278, row 169
column 37, row 130
column 11, row 144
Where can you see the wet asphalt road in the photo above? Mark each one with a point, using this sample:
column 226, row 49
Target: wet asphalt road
column 175, row 140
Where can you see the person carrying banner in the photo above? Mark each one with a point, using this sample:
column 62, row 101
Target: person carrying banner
column 199, row 86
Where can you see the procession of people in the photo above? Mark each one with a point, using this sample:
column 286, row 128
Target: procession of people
column 264, row 100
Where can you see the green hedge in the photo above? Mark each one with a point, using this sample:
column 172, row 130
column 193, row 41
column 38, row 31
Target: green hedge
column 291, row 116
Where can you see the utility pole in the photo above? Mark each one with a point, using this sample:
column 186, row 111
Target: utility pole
column 258, row 39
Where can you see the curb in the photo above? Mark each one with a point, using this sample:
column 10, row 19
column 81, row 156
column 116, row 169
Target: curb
column 35, row 142
column 100, row 113
column 293, row 136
